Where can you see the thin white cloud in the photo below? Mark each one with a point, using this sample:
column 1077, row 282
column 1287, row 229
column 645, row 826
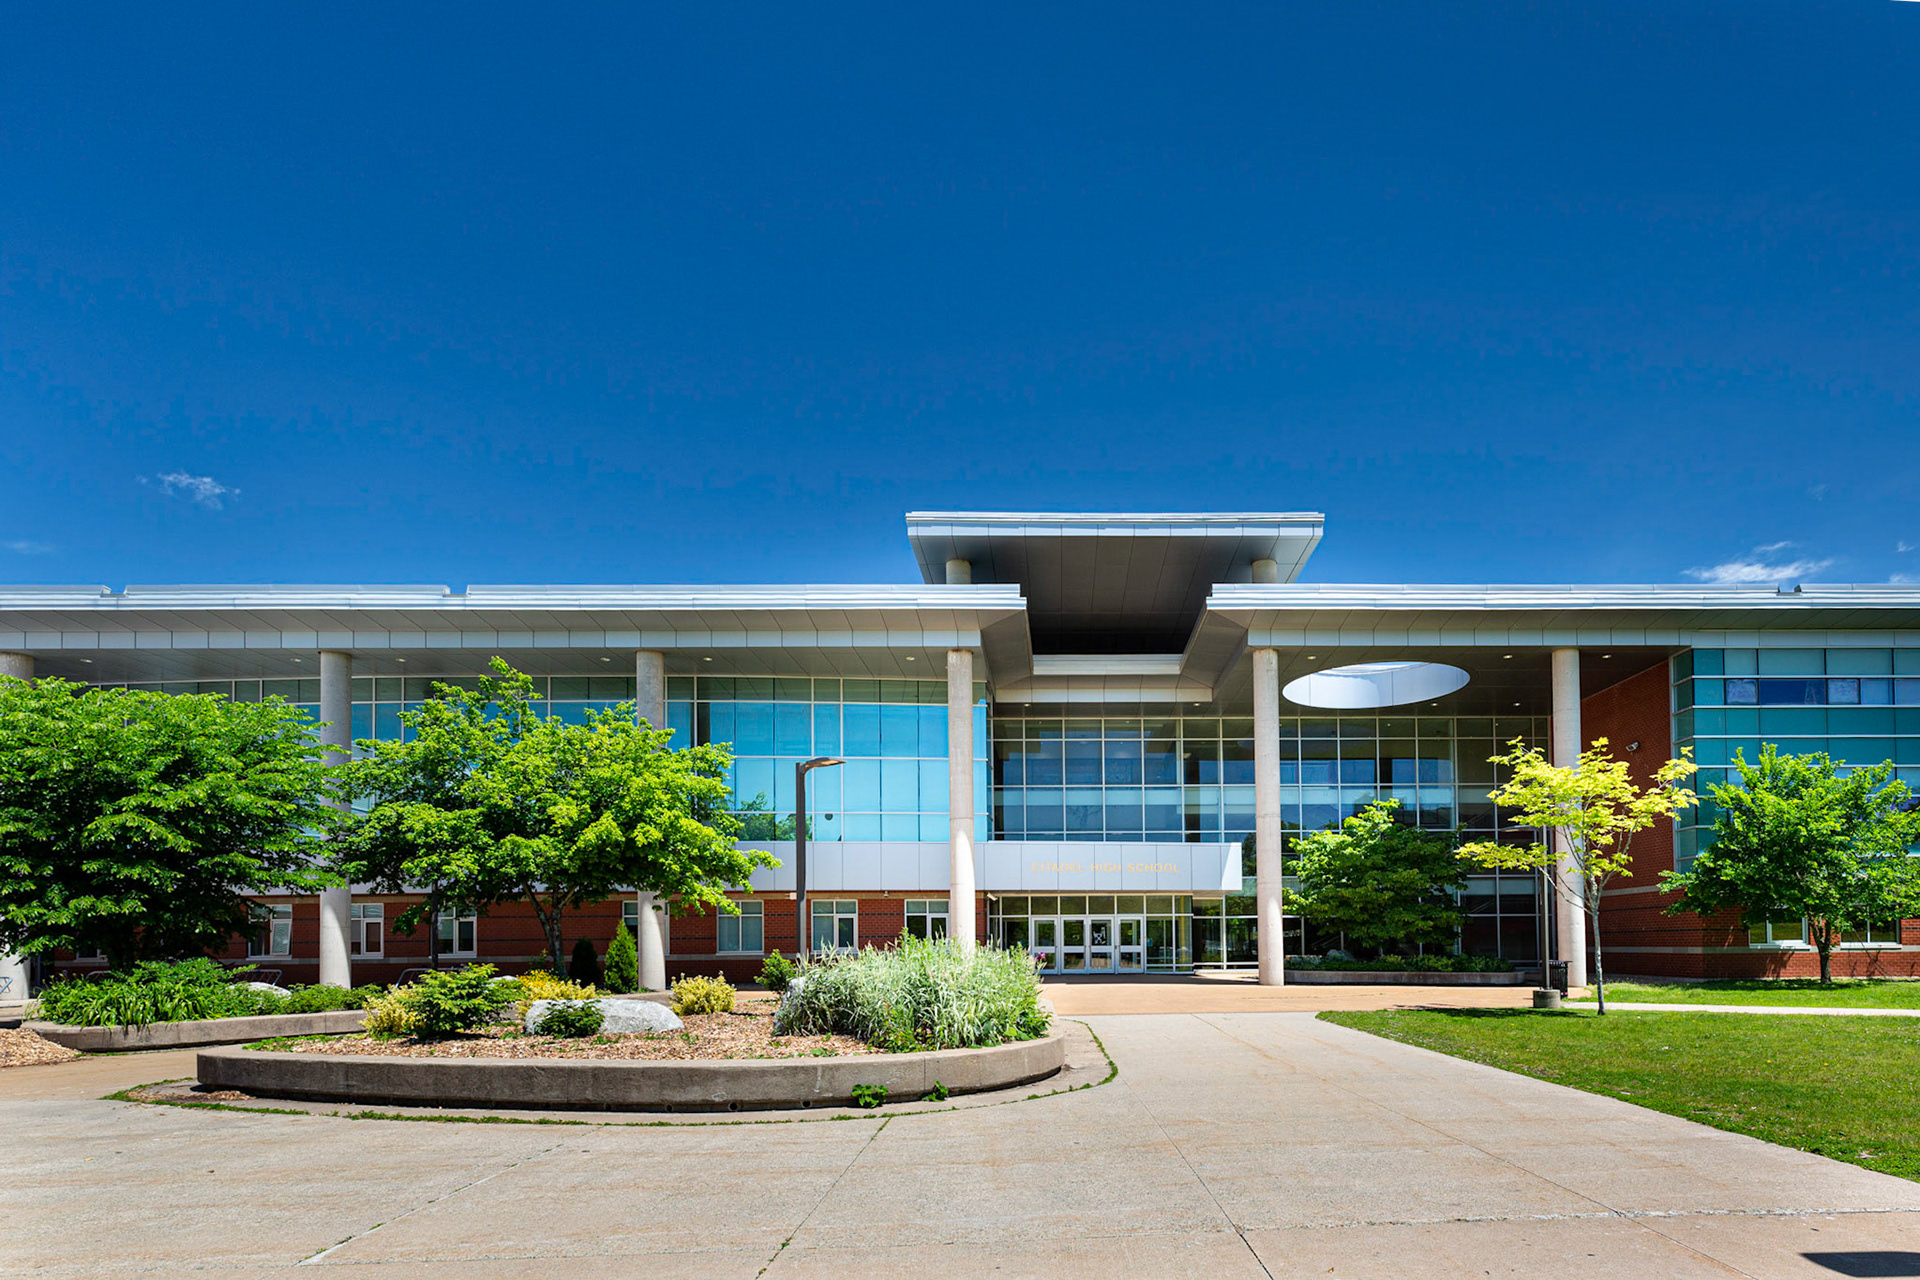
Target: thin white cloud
column 1902, row 547
column 26, row 547
column 1758, row 566
column 1905, row 579
column 1817, row 492
column 205, row 490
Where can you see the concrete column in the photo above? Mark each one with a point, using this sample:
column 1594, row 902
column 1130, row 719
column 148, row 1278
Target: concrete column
column 959, row 573
column 336, row 733
column 1570, row 929
column 1266, row 817
column 960, row 796
column 1266, row 571
column 20, row 667
column 650, row 705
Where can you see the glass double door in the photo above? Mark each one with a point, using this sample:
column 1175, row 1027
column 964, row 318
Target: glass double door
column 1090, row 944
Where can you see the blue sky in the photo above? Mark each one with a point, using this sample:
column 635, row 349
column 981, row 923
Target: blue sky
column 1512, row 292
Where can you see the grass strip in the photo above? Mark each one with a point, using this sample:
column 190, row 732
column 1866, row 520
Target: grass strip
column 1855, row 993
column 1845, row 1088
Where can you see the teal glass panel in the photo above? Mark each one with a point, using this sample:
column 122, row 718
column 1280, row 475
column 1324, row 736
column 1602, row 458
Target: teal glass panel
column 933, row 732
column 1860, row 720
column 899, row 730
column 1709, row 662
column 1701, row 693
column 753, row 783
column 900, row 786
column 1743, row 723
column 362, row 717
column 899, row 826
column 860, row 826
column 1906, row 750
column 862, row 779
column 861, row 723
column 934, row 827
column 753, row 688
column 1711, row 751
column 1906, row 693
column 933, row 785
column 1740, row 662
column 1683, row 726
column 789, row 689
column 1045, row 817
column 753, row 728
column 1876, row 691
column 719, row 721
column 826, row 727
column 1859, row 662
column 826, row 691
column 823, row 789
column 793, row 729
column 1906, row 720
column 1793, row 662
column 387, row 689
column 860, row 691
column 386, row 722
column 1861, row 751
column 1779, row 721
column 1906, row 662
column 680, row 721
column 680, row 688
column 981, row 743
column 1083, row 810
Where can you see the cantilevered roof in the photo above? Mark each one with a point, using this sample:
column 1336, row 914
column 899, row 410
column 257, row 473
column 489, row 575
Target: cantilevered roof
column 1115, row 582
column 206, row 632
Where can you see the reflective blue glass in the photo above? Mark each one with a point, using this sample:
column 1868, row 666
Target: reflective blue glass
column 862, row 782
column 933, row 732
column 933, row 785
column 861, row 725
column 753, row 782
column 900, row 786
column 826, row 727
column 753, row 728
column 899, row 731
column 793, row 729
column 680, row 720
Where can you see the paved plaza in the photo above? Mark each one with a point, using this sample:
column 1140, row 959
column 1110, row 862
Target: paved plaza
column 1228, row 1145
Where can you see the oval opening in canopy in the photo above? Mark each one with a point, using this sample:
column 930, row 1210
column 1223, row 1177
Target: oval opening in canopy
column 1375, row 684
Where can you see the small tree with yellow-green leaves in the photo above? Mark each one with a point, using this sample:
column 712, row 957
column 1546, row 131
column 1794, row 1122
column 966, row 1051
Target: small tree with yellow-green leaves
column 1596, row 808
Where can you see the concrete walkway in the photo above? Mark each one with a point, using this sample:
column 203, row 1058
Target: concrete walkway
column 1230, row 1145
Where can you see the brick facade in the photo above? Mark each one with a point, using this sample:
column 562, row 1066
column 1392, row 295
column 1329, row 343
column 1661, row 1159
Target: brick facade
column 1635, row 931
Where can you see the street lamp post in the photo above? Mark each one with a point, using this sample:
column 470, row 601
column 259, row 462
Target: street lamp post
column 801, row 769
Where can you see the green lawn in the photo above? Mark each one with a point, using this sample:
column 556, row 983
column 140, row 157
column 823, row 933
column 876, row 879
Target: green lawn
column 1848, row 1088
column 1861, row 993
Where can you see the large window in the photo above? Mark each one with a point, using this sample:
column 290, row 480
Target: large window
column 273, row 931
column 366, row 925
column 926, row 917
column 834, row 923
column 630, row 917
column 744, row 932
column 459, row 932
column 1787, row 931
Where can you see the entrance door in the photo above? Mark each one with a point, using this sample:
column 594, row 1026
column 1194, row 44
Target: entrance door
column 1073, row 946
column 1100, row 948
column 1131, row 956
column 1046, row 948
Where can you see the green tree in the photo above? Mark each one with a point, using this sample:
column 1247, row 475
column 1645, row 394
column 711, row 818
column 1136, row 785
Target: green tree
column 623, row 962
column 490, row 802
column 1379, row 881
column 1802, row 840
column 1596, row 809
column 137, row 824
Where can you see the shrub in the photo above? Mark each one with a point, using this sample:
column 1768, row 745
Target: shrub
column 570, row 1019
column 541, row 985
column 776, row 974
column 584, row 965
column 623, row 963
column 702, row 995
column 392, row 1015
column 325, row 999
column 154, row 991
column 922, row 994
column 460, row 1000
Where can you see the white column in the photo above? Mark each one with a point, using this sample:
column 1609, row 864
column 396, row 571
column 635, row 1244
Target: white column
column 959, row 573
column 1570, row 928
column 20, row 667
column 1266, row 818
column 650, row 704
column 960, row 796
column 1266, row 571
column 336, row 733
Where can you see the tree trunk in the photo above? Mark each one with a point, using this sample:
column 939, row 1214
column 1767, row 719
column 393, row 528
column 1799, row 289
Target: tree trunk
column 1599, row 965
column 1823, row 942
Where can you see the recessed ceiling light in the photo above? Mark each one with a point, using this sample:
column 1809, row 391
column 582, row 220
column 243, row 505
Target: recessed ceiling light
column 88, row 661
column 296, row 659
column 706, row 659
column 909, row 657
column 606, row 659
column 1606, row 655
column 1506, row 655
column 1310, row 657
column 1516, row 704
column 401, row 661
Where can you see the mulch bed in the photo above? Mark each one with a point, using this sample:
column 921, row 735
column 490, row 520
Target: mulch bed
column 26, row 1049
column 742, row 1034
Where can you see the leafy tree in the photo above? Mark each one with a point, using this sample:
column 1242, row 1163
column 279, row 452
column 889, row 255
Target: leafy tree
column 137, row 823
column 1801, row 839
column 490, row 802
column 623, row 962
column 1379, row 881
column 1596, row 808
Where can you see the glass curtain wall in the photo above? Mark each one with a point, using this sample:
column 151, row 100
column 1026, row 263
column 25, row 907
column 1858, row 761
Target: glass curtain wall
column 1860, row 706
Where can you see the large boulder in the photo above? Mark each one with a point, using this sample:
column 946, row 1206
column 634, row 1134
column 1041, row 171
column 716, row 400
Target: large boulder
column 618, row 1017
column 269, row 987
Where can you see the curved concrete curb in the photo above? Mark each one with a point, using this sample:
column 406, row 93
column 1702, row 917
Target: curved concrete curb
column 185, row 1035
column 613, row 1084
column 1398, row 978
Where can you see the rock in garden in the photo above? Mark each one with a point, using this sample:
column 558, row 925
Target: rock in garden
column 268, row 986
column 620, row 1017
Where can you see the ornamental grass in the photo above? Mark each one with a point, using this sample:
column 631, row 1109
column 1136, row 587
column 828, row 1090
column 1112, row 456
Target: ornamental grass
column 918, row 995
